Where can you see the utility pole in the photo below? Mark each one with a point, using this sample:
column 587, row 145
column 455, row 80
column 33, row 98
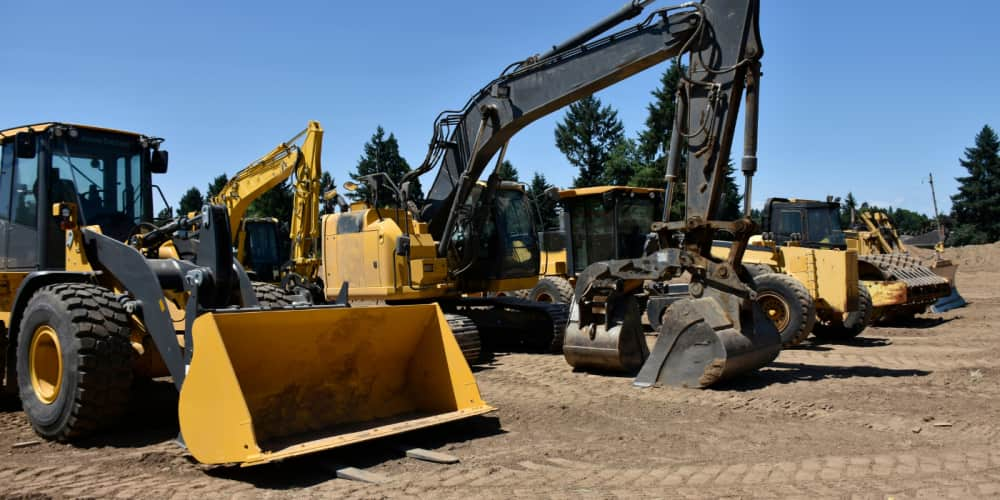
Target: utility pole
column 937, row 215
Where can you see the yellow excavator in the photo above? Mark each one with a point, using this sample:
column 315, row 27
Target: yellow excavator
column 94, row 295
column 258, row 242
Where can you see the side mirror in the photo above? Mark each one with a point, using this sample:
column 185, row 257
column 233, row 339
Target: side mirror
column 158, row 161
column 350, row 186
column 552, row 193
column 25, row 145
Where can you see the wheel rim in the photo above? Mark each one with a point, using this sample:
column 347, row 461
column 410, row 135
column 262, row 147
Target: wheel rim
column 776, row 309
column 544, row 297
column 45, row 364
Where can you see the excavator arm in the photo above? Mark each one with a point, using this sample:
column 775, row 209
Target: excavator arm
column 721, row 36
column 286, row 160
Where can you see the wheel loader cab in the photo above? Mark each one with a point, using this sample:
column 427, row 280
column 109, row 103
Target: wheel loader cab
column 607, row 223
column 810, row 223
column 106, row 173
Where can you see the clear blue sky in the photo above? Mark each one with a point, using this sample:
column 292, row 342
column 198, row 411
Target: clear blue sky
column 857, row 96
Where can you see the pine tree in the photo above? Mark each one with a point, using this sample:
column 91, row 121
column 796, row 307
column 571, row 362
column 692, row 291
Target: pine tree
column 381, row 154
column 587, row 135
column 729, row 206
column 976, row 207
column 655, row 139
column 848, row 207
column 546, row 206
column 622, row 164
column 190, row 202
column 276, row 202
column 215, row 187
column 507, row 172
column 326, row 183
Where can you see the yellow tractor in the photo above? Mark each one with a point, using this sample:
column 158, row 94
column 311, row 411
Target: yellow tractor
column 807, row 290
column 596, row 224
column 899, row 286
column 95, row 295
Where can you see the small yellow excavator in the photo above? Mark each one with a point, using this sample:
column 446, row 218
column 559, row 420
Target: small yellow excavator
column 94, row 294
column 258, row 243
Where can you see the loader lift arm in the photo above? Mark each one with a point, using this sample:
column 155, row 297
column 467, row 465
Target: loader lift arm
column 284, row 161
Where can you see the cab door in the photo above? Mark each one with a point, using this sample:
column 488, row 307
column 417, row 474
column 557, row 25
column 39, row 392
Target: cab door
column 22, row 211
column 6, row 170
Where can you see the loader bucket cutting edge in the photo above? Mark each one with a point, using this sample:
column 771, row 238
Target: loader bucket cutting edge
column 268, row 385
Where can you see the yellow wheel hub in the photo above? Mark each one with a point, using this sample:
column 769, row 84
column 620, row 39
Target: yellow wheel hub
column 776, row 310
column 45, row 361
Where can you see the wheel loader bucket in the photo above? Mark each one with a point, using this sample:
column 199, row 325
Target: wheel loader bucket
column 265, row 385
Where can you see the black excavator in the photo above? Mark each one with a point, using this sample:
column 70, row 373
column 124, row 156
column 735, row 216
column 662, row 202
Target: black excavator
column 719, row 331
column 463, row 216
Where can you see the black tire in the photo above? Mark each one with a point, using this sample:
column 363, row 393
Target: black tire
column 269, row 296
column 89, row 329
column 552, row 289
column 757, row 269
column 787, row 302
column 853, row 322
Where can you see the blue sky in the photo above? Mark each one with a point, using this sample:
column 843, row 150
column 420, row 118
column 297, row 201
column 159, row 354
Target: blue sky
column 857, row 96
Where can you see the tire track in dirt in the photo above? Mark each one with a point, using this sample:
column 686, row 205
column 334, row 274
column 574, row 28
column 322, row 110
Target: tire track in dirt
column 539, row 379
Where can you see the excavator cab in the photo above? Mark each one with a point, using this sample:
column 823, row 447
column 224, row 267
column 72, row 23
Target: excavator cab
column 508, row 246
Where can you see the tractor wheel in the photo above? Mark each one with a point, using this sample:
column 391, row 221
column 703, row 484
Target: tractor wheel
column 553, row 289
column 787, row 303
column 73, row 360
column 852, row 324
column 269, row 296
column 757, row 269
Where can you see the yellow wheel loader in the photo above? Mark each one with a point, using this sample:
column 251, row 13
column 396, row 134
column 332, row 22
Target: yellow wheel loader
column 899, row 286
column 95, row 294
column 807, row 290
column 596, row 224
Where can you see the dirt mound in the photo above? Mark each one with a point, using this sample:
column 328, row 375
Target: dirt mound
column 969, row 258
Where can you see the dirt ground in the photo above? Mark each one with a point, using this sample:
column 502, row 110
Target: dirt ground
column 904, row 412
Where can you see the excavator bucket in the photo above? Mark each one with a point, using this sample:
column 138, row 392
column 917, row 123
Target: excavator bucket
column 265, row 385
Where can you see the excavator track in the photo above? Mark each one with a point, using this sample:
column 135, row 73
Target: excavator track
column 923, row 287
column 511, row 322
column 467, row 336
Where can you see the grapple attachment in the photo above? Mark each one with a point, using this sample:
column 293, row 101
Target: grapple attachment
column 618, row 345
column 266, row 385
column 700, row 345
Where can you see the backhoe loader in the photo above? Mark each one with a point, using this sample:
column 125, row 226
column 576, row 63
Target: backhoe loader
column 94, row 294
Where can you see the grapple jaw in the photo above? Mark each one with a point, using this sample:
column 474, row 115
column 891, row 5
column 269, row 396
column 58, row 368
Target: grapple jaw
column 717, row 333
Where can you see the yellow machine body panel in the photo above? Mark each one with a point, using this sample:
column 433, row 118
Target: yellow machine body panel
column 831, row 276
column 886, row 293
column 359, row 248
column 268, row 385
